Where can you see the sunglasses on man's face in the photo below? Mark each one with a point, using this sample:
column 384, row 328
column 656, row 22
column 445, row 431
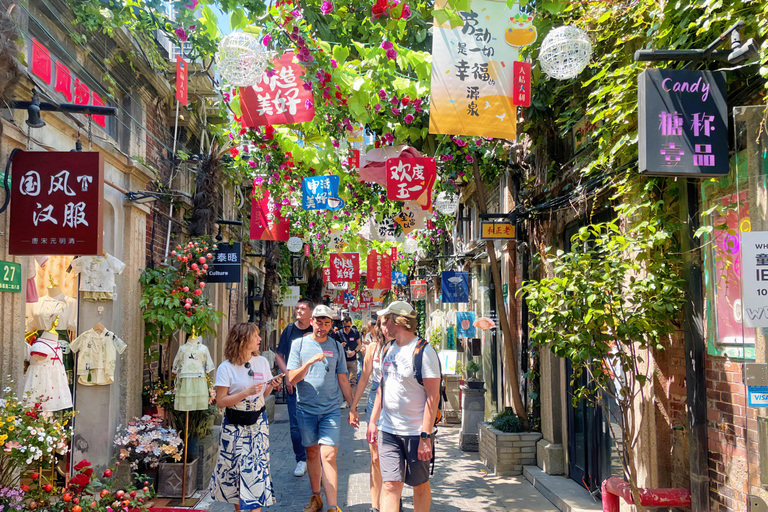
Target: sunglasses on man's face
column 250, row 372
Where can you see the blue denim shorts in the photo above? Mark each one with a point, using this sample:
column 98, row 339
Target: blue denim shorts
column 371, row 399
column 319, row 428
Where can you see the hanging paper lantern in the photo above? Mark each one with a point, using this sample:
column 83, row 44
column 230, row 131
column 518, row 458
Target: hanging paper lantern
column 295, row 244
column 447, row 203
column 410, row 246
column 565, row 52
column 241, row 59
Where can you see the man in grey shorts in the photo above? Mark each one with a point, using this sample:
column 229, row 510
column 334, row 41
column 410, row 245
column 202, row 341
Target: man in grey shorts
column 407, row 411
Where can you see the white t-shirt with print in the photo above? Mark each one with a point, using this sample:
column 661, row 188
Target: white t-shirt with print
column 404, row 398
column 236, row 378
column 97, row 273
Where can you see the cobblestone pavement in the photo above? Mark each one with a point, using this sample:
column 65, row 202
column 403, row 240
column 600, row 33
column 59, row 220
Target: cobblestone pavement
column 459, row 482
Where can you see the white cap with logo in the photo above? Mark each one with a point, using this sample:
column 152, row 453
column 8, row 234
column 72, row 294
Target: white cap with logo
column 398, row 308
column 322, row 310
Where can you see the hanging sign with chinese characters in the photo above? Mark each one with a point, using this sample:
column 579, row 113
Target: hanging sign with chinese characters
column 419, row 289
column 455, row 287
column 472, row 70
column 682, row 123
column 56, row 203
column 521, row 84
column 265, row 223
column 345, row 267
column 411, row 179
column 278, row 99
column 379, row 271
column 497, row 230
column 226, row 264
column 321, row 193
column 399, row 278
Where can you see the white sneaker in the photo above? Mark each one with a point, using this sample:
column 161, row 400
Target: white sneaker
column 301, row 468
column 345, row 405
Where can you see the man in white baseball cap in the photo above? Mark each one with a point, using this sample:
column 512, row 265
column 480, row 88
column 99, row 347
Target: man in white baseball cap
column 407, row 404
column 317, row 368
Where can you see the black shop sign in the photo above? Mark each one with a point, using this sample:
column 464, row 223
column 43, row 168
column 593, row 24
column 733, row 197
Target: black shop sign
column 682, row 123
column 226, row 264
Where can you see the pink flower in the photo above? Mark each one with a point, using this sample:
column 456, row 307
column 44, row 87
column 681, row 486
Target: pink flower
column 334, row 65
column 377, row 107
column 408, row 118
column 389, row 137
column 181, row 34
column 396, row 111
column 192, row 4
column 266, row 40
column 251, row 163
column 469, row 158
column 326, row 8
column 308, row 104
column 267, row 157
column 478, row 142
column 446, row 158
column 391, row 54
column 386, row 45
column 406, row 12
column 460, row 142
column 382, row 93
column 258, row 180
column 307, row 86
column 335, row 143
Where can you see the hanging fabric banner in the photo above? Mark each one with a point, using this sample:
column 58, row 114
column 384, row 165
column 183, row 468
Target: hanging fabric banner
column 399, row 278
column 379, row 274
column 345, row 267
column 181, row 80
column 472, row 70
column 321, row 193
column 385, row 229
column 521, row 84
column 411, row 217
column 265, row 224
column 455, row 287
column 326, row 274
column 411, row 179
column 465, row 324
column 278, row 99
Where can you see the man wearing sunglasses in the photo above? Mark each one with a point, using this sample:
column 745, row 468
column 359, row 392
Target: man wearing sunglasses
column 317, row 368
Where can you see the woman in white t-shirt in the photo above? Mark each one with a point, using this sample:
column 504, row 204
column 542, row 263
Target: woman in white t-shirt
column 242, row 476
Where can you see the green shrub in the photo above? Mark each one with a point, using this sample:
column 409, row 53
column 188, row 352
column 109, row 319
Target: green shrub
column 508, row 422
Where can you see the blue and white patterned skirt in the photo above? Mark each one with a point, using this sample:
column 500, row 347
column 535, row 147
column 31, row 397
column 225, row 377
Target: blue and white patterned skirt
column 241, row 475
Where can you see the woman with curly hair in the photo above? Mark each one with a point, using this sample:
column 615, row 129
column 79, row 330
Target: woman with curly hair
column 242, row 476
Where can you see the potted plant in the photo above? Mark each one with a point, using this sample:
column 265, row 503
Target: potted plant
column 472, row 368
column 505, row 446
column 144, row 443
column 29, row 438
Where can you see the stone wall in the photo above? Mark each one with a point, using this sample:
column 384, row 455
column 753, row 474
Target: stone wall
column 506, row 454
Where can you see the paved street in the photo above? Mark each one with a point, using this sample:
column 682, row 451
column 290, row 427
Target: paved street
column 459, row 482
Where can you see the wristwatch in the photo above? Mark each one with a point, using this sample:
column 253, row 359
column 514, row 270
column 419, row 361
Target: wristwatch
column 424, row 435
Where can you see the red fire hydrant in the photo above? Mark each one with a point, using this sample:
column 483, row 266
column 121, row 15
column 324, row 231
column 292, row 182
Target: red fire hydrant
column 615, row 488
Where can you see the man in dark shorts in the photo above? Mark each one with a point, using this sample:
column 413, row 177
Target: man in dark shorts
column 407, row 411
column 300, row 328
column 350, row 340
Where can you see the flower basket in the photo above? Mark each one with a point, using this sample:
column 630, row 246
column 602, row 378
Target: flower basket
column 145, row 443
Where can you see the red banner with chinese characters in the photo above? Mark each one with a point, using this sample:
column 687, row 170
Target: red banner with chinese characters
column 181, row 80
column 366, row 298
column 345, row 267
column 278, row 99
column 379, row 271
column 41, row 61
column 326, row 274
column 521, row 84
column 265, row 225
column 56, row 203
column 411, row 179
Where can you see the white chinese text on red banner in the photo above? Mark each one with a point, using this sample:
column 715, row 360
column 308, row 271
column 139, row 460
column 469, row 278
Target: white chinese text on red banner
column 345, row 267
column 265, row 223
column 411, row 179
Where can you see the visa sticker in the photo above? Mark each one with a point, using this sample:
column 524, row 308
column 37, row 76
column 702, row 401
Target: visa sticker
column 328, row 353
column 258, row 376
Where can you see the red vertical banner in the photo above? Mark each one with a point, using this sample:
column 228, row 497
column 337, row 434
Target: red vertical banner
column 354, row 159
column 521, row 84
column 41, row 61
column 306, row 249
column 393, row 252
column 379, row 271
column 345, row 267
column 265, row 224
column 326, row 274
column 181, row 80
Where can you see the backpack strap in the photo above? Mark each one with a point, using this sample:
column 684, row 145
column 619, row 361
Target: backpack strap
column 418, row 360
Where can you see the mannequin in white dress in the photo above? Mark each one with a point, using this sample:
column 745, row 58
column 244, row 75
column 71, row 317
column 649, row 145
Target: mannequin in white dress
column 46, row 376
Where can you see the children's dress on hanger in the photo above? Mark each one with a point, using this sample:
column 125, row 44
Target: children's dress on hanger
column 97, row 276
column 192, row 362
column 97, row 357
column 46, row 376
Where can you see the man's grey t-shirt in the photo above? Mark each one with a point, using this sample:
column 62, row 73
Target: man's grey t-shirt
column 319, row 391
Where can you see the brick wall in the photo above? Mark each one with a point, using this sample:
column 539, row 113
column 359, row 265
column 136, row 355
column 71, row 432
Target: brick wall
column 732, row 436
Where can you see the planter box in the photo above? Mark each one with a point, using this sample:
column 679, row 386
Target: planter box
column 453, row 402
column 506, row 454
column 170, row 478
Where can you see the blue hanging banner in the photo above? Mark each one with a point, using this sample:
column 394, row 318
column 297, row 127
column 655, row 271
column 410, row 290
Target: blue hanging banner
column 399, row 278
column 450, row 338
column 465, row 327
column 321, row 193
column 455, row 287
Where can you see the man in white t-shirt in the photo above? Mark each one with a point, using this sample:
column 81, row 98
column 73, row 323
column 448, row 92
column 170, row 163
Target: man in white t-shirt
column 406, row 410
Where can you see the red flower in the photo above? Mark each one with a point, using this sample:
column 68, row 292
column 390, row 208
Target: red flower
column 82, row 464
column 79, row 481
column 234, row 152
column 269, row 132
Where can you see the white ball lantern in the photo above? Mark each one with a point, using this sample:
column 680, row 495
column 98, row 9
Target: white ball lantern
column 295, row 244
column 565, row 52
column 410, row 246
column 447, row 203
column 241, row 59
